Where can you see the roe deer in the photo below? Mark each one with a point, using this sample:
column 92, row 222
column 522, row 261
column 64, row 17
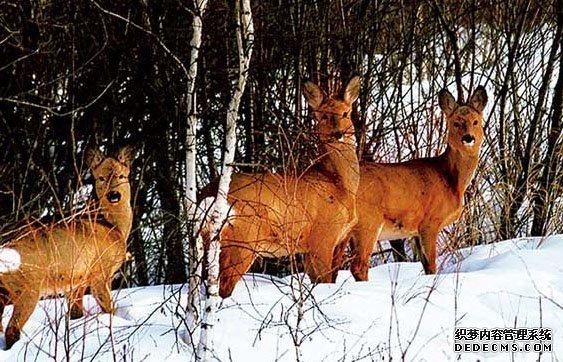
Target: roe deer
column 78, row 252
column 418, row 197
column 277, row 215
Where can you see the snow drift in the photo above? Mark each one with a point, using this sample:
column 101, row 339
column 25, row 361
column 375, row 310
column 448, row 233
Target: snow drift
column 399, row 313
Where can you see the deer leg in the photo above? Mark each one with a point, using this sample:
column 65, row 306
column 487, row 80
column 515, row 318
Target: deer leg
column 319, row 267
column 428, row 239
column 101, row 290
column 234, row 262
column 236, row 258
column 362, row 248
column 23, row 308
column 75, row 302
column 319, row 260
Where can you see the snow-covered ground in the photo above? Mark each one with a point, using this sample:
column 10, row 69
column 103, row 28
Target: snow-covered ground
column 400, row 312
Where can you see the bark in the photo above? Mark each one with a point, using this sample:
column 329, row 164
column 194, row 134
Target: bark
column 190, row 187
column 245, row 39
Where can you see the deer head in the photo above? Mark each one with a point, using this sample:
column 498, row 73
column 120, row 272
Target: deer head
column 111, row 176
column 332, row 113
column 465, row 122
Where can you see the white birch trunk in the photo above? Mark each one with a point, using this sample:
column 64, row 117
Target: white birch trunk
column 196, row 251
column 245, row 39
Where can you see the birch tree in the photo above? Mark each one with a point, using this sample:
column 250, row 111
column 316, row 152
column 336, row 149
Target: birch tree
column 245, row 40
column 195, row 242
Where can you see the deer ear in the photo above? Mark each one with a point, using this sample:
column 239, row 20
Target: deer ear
column 352, row 91
column 93, row 157
column 126, row 155
column 314, row 95
column 447, row 102
column 479, row 99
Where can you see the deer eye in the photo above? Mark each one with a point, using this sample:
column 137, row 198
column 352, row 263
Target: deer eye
column 102, row 178
column 475, row 123
column 457, row 124
column 345, row 114
column 121, row 177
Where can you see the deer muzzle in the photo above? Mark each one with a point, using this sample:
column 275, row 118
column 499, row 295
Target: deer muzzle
column 113, row 197
column 468, row 140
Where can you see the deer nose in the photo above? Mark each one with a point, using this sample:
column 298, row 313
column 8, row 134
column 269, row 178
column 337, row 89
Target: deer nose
column 338, row 135
column 468, row 140
column 113, row 197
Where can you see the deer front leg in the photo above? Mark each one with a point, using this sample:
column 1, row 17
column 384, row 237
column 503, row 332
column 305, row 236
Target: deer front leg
column 428, row 238
column 319, row 261
column 75, row 302
column 234, row 262
column 101, row 290
column 239, row 246
column 23, row 308
column 318, row 266
column 365, row 238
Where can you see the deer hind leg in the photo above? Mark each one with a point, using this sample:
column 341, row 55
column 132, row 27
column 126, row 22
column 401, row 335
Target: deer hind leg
column 23, row 308
column 427, row 249
column 101, row 290
column 75, row 302
column 365, row 238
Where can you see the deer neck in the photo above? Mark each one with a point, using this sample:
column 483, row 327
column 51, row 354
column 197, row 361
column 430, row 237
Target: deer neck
column 341, row 162
column 459, row 169
column 120, row 216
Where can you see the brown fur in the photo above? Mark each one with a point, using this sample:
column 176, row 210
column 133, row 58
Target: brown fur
column 418, row 197
column 278, row 215
column 70, row 255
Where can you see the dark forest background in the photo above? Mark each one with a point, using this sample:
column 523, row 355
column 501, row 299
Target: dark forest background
column 75, row 73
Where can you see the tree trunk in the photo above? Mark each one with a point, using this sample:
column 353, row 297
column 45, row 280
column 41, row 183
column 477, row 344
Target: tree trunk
column 245, row 39
column 190, row 188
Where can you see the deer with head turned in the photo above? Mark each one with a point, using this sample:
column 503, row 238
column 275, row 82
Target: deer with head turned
column 418, row 197
column 68, row 256
column 277, row 215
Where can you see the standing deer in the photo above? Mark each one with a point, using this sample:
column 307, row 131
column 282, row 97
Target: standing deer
column 277, row 215
column 418, row 197
column 78, row 252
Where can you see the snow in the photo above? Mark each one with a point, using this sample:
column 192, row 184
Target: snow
column 400, row 311
column 9, row 260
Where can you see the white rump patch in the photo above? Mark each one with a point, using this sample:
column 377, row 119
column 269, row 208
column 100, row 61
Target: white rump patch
column 10, row 260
